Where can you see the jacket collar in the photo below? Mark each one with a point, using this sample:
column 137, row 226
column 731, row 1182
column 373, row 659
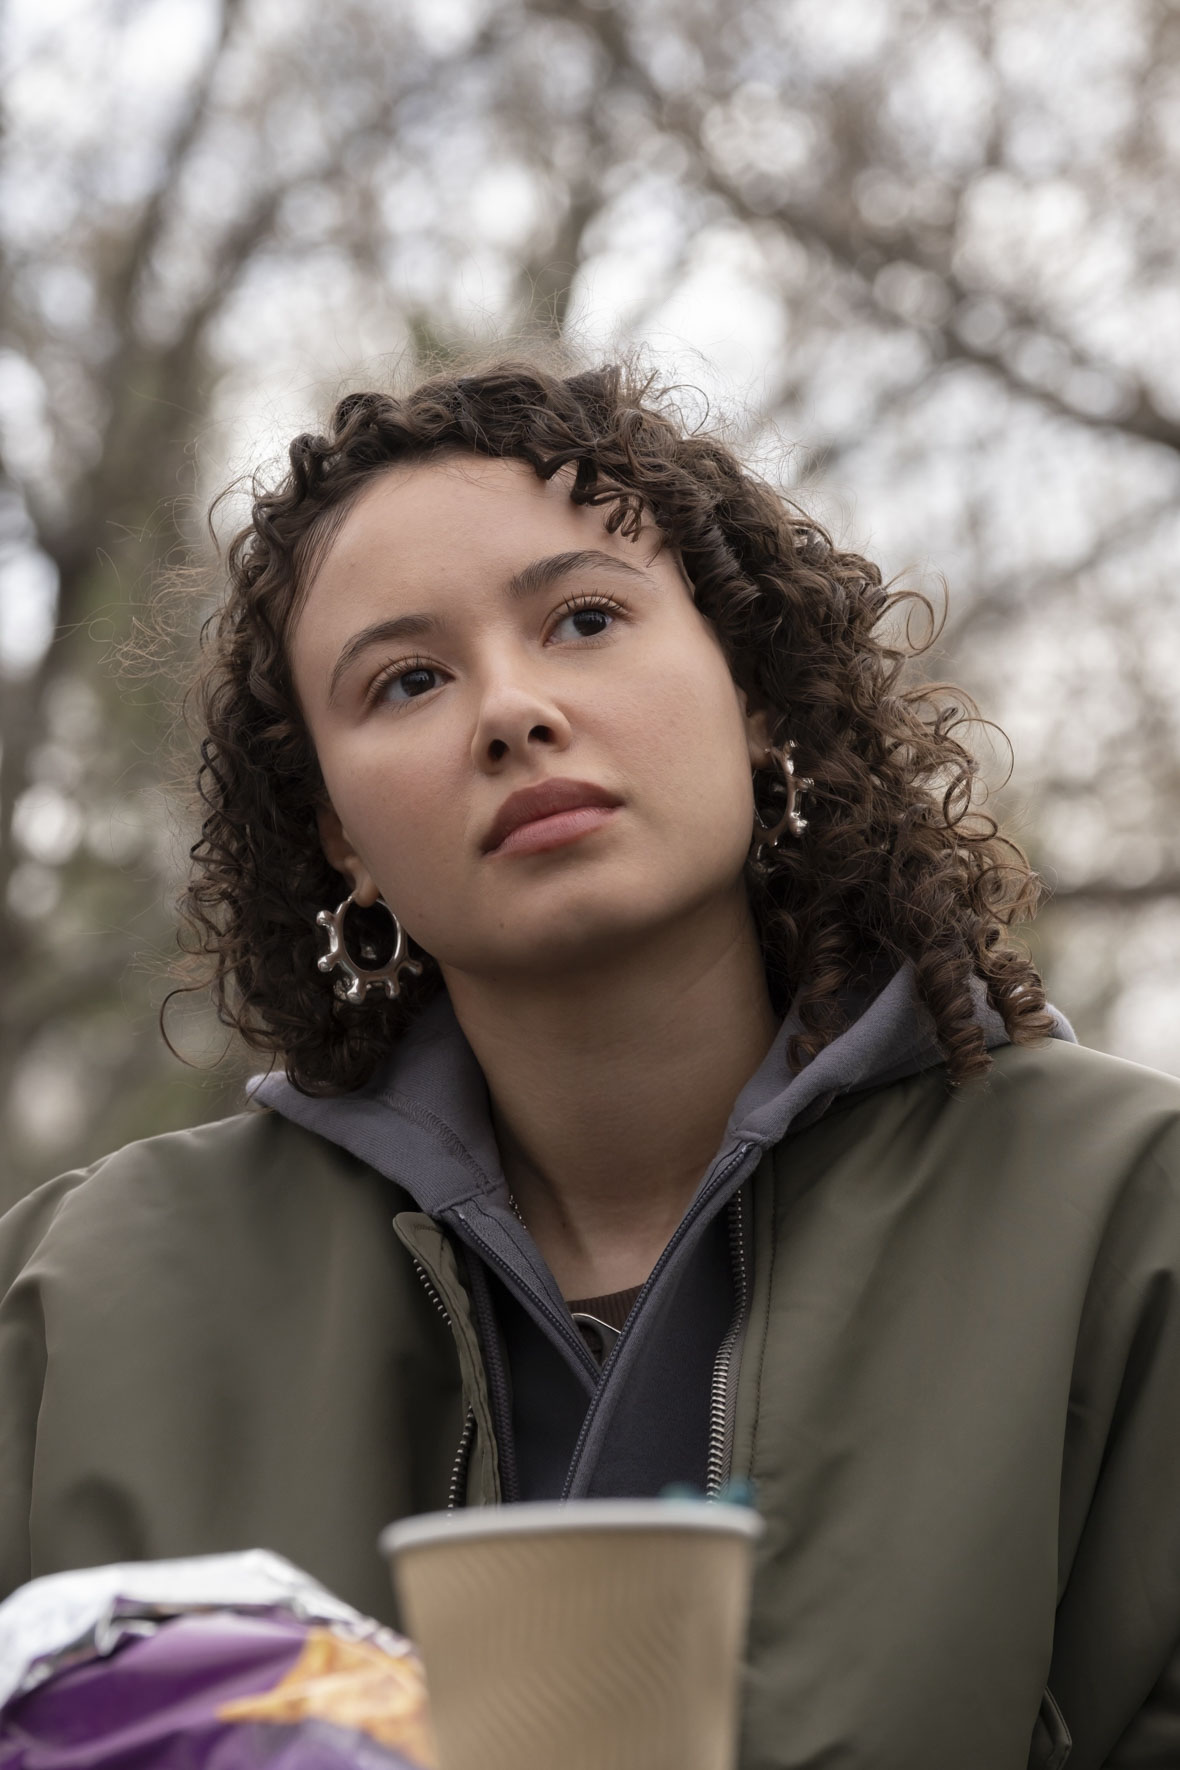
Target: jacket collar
column 423, row 1120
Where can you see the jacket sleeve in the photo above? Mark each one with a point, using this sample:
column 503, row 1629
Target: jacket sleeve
column 24, row 1232
column 1116, row 1655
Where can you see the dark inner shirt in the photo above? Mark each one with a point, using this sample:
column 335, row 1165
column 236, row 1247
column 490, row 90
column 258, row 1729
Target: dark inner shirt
column 659, row 1433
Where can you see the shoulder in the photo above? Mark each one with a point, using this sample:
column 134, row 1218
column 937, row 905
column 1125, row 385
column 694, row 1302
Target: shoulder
column 1085, row 1147
column 1083, row 1108
column 1082, row 1138
column 1062, row 1095
column 227, row 1177
column 1058, row 1069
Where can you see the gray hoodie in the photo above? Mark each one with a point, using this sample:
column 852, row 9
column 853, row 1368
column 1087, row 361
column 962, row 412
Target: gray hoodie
column 648, row 1416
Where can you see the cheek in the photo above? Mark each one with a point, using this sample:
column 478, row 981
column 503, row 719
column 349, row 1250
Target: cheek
column 689, row 737
column 399, row 814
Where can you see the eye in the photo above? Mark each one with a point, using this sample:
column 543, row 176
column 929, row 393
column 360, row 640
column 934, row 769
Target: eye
column 586, row 617
column 405, row 682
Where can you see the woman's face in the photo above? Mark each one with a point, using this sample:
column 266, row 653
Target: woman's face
column 469, row 636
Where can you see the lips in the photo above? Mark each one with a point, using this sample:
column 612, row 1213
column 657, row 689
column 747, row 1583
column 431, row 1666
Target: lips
column 546, row 799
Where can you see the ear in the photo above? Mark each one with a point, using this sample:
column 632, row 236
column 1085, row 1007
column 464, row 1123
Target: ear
column 340, row 853
column 758, row 733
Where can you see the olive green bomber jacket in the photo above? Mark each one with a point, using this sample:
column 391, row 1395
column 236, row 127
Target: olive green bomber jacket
column 958, row 1396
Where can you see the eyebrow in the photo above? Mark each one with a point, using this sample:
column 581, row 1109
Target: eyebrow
column 530, row 580
column 542, row 574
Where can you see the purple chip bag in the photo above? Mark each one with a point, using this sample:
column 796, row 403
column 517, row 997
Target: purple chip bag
column 146, row 1684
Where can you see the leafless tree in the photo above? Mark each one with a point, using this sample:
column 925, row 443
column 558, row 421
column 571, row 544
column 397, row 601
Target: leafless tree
column 932, row 245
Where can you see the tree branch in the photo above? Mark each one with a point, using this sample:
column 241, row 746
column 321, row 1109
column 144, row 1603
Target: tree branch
column 145, row 236
column 827, row 229
column 1113, row 894
column 993, row 602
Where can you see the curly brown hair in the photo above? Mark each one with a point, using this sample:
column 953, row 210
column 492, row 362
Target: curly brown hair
column 898, row 863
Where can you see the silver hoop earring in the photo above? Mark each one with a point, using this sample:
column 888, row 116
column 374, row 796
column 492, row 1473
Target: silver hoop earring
column 793, row 786
column 356, row 980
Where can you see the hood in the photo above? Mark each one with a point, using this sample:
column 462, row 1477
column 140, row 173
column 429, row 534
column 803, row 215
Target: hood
column 424, row 1121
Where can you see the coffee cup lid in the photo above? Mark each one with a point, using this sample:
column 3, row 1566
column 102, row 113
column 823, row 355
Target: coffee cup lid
column 535, row 1517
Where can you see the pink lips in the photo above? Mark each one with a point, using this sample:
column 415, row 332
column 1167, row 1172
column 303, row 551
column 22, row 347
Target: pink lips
column 548, row 815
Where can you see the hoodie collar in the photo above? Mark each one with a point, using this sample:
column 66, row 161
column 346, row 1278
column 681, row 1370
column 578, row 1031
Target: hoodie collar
column 424, row 1121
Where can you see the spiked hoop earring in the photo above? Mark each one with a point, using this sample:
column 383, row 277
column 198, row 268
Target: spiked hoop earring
column 792, row 786
column 355, row 981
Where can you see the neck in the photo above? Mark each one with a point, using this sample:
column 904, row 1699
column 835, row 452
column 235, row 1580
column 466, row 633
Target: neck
column 611, row 1088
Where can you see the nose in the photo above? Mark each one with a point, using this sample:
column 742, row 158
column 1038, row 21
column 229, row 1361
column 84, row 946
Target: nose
column 517, row 719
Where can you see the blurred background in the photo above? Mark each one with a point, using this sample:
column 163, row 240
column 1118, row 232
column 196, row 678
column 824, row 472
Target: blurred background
column 918, row 256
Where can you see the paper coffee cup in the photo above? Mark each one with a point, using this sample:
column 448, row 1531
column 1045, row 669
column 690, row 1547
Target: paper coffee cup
column 585, row 1635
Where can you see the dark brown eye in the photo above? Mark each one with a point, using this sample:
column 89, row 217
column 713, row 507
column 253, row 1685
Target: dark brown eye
column 589, row 621
column 416, row 682
column 407, row 683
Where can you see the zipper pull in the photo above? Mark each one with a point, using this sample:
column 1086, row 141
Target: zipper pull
column 600, row 1336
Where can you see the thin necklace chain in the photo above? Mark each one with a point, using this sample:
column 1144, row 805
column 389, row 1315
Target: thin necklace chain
column 516, row 1208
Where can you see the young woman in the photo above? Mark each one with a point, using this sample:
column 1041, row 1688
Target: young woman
column 657, row 1096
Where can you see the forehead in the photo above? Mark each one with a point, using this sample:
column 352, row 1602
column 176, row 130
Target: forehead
column 445, row 526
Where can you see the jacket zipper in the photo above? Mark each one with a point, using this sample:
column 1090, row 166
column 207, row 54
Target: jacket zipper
column 685, row 1225
column 720, row 1402
column 457, row 1483
column 457, row 1489
column 565, row 1328
column 721, row 1397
